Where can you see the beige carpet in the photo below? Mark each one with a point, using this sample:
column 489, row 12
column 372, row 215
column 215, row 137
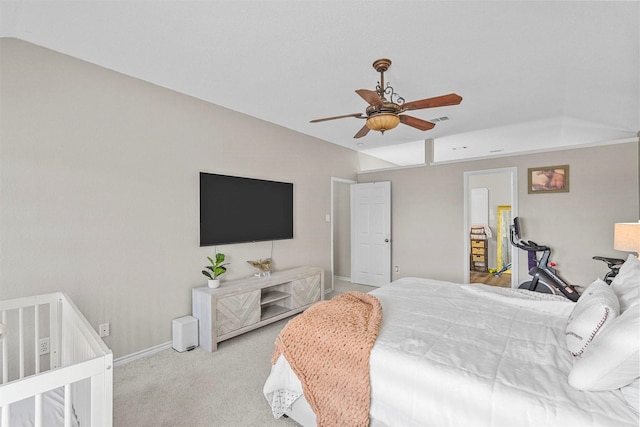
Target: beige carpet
column 198, row 388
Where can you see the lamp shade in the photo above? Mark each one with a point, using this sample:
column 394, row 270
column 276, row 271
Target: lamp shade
column 626, row 237
column 383, row 121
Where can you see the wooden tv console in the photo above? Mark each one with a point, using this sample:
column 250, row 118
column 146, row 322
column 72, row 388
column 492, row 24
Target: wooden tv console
column 239, row 306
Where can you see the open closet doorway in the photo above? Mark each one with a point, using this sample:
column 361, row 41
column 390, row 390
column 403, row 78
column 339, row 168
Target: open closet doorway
column 490, row 203
column 340, row 231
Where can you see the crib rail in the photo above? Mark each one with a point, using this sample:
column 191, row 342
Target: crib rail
column 79, row 361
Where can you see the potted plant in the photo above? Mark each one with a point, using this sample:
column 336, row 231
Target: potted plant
column 214, row 270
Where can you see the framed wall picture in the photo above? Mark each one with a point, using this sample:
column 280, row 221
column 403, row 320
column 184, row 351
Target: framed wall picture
column 548, row 179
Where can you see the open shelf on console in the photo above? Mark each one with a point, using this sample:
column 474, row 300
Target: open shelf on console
column 271, row 296
column 272, row 310
column 273, row 302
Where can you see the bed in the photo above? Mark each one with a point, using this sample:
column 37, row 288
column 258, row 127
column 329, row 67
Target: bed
column 72, row 385
column 450, row 354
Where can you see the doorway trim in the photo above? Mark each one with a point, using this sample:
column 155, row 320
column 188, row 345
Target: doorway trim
column 513, row 174
column 349, row 182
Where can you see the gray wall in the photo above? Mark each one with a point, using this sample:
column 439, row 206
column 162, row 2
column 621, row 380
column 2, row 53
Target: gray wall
column 99, row 195
column 99, row 190
column 428, row 219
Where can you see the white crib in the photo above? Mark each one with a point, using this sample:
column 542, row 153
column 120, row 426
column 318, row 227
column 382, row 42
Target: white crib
column 79, row 367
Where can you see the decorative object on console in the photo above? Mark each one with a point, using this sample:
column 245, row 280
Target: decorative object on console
column 216, row 269
column 626, row 237
column 263, row 265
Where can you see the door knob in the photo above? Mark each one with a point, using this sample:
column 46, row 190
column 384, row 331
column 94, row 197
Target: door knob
column 386, row 240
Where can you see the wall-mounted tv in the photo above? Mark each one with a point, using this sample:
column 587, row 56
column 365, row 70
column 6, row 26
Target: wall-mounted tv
column 234, row 209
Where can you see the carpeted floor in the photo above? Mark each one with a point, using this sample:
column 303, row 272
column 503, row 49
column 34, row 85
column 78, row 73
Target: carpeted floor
column 198, row 388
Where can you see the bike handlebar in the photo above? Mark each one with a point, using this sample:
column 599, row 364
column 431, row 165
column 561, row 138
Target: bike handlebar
column 528, row 246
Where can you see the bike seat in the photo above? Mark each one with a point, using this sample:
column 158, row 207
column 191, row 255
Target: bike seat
column 610, row 261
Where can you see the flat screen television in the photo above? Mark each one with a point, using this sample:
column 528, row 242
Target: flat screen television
column 234, row 209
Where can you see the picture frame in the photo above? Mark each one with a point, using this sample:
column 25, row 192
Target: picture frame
column 548, row 179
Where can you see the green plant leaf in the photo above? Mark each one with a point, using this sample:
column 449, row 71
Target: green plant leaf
column 217, row 267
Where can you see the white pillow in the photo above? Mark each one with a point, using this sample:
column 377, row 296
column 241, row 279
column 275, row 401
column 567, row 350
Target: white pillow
column 612, row 360
column 596, row 307
column 626, row 284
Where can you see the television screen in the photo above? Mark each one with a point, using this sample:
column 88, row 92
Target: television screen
column 235, row 210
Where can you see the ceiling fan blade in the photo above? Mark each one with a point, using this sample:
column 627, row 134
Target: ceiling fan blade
column 371, row 96
column 438, row 101
column 362, row 132
column 356, row 115
column 416, row 123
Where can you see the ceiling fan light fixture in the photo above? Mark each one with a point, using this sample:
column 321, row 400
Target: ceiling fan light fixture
column 386, row 106
column 383, row 121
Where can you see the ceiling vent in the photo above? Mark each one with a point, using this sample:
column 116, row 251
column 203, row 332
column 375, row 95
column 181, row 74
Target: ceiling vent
column 439, row 119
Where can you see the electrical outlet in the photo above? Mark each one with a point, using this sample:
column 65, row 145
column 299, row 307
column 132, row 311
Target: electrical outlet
column 104, row 329
column 44, row 346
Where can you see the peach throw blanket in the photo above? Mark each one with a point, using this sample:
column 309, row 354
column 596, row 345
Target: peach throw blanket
column 328, row 347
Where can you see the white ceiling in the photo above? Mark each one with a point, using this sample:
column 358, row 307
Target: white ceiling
column 534, row 75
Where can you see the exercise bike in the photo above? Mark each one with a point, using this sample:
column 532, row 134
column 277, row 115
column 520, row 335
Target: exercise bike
column 545, row 278
column 614, row 265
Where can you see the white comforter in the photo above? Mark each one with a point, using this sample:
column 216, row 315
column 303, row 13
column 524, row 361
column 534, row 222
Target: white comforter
column 459, row 355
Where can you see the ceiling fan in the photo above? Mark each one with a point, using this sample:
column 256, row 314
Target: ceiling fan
column 384, row 114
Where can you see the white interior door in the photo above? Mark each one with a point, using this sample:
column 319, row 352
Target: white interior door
column 371, row 233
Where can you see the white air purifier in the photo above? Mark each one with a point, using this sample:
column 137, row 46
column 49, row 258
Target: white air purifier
column 185, row 333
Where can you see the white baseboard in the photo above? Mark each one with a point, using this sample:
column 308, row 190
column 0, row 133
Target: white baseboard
column 140, row 354
column 346, row 279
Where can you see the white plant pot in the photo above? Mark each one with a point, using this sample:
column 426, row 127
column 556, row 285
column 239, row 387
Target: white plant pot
column 213, row 283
